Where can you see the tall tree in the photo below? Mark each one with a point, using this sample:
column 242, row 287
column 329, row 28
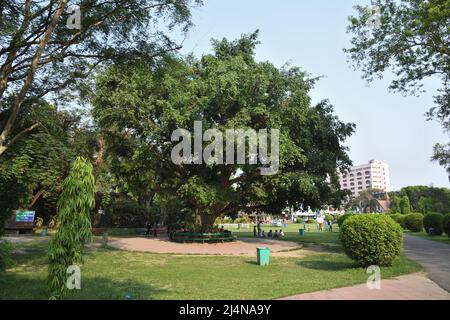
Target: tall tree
column 412, row 38
column 43, row 54
column 140, row 105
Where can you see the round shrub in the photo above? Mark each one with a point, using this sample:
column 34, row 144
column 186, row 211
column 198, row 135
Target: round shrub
column 414, row 222
column 329, row 218
column 433, row 223
column 371, row 239
column 311, row 221
column 446, row 224
column 341, row 219
column 399, row 218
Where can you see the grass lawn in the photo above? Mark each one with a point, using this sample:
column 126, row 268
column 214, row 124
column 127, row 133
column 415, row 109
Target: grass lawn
column 325, row 238
column 113, row 274
column 442, row 238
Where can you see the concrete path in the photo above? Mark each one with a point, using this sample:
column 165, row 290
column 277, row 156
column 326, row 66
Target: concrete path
column 433, row 256
column 408, row 287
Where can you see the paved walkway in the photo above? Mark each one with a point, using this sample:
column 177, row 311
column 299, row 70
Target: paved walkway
column 433, row 256
column 241, row 247
column 408, row 287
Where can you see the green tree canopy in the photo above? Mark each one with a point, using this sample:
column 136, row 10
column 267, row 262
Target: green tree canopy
column 411, row 38
column 41, row 54
column 139, row 105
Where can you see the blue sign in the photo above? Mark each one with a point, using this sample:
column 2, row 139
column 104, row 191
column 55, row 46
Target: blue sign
column 25, row 216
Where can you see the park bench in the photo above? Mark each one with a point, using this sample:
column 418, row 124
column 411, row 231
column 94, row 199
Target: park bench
column 203, row 237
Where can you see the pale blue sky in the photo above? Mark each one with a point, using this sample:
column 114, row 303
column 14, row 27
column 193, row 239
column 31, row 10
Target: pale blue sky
column 311, row 34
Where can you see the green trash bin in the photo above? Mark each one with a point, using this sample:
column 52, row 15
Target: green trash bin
column 44, row 232
column 263, row 256
column 301, row 231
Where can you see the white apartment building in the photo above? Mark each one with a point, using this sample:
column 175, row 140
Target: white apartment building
column 374, row 174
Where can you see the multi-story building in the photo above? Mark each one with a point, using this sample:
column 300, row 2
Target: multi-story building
column 374, row 174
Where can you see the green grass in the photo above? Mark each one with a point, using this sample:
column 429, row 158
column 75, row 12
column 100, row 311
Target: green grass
column 113, row 274
column 442, row 238
column 324, row 238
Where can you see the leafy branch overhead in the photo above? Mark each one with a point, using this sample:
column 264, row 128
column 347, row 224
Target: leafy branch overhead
column 412, row 39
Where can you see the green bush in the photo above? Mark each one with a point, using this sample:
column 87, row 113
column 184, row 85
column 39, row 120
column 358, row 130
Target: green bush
column 341, row 219
column 414, row 222
column 243, row 219
column 446, row 224
column 311, row 221
column 371, row 239
column 433, row 221
column 329, row 217
column 399, row 218
column 298, row 220
column 125, row 213
column 5, row 255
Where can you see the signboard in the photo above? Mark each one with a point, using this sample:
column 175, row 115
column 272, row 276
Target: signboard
column 24, row 216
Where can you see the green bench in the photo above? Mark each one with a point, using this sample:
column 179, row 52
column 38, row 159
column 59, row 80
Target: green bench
column 203, row 237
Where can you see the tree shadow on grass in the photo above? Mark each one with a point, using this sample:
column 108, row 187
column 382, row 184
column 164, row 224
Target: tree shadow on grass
column 31, row 287
column 329, row 265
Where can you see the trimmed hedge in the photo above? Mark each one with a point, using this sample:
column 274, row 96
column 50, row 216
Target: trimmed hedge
column 446, row 224
column 399, row 218
column 433, row 221
column 371, row 239
column 414, row 222
column 341, row 219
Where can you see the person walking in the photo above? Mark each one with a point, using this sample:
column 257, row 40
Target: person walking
column 259, row 228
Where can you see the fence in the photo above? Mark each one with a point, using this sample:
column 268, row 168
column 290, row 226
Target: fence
column 235, row 225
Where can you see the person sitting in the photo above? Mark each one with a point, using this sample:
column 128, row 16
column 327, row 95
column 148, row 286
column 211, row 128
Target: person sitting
column 263, row 234
column 269, row 235
column 221, row 229
column 148, row 225
column 276, row 234
column 281, row 233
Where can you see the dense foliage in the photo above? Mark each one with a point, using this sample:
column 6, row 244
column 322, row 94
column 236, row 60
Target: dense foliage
column 341, row 219
column 414, row 222
column 446, row 224
column 433, row 223
column 427, row 199
column 399, row 218
column 371, row 239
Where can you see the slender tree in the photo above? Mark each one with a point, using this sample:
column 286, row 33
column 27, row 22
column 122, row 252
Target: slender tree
column 74, row 226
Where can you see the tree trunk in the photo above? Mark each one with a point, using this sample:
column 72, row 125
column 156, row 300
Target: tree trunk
column 6, row 130
column 207, row 220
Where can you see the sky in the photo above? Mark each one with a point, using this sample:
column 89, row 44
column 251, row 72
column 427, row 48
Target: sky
column 311, row 35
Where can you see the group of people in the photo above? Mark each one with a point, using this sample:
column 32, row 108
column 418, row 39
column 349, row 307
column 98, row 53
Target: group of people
column 258, row 232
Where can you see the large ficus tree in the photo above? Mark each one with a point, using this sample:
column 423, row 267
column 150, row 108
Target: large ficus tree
column 412, row 39
column 139, row 105
column 41, row 54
